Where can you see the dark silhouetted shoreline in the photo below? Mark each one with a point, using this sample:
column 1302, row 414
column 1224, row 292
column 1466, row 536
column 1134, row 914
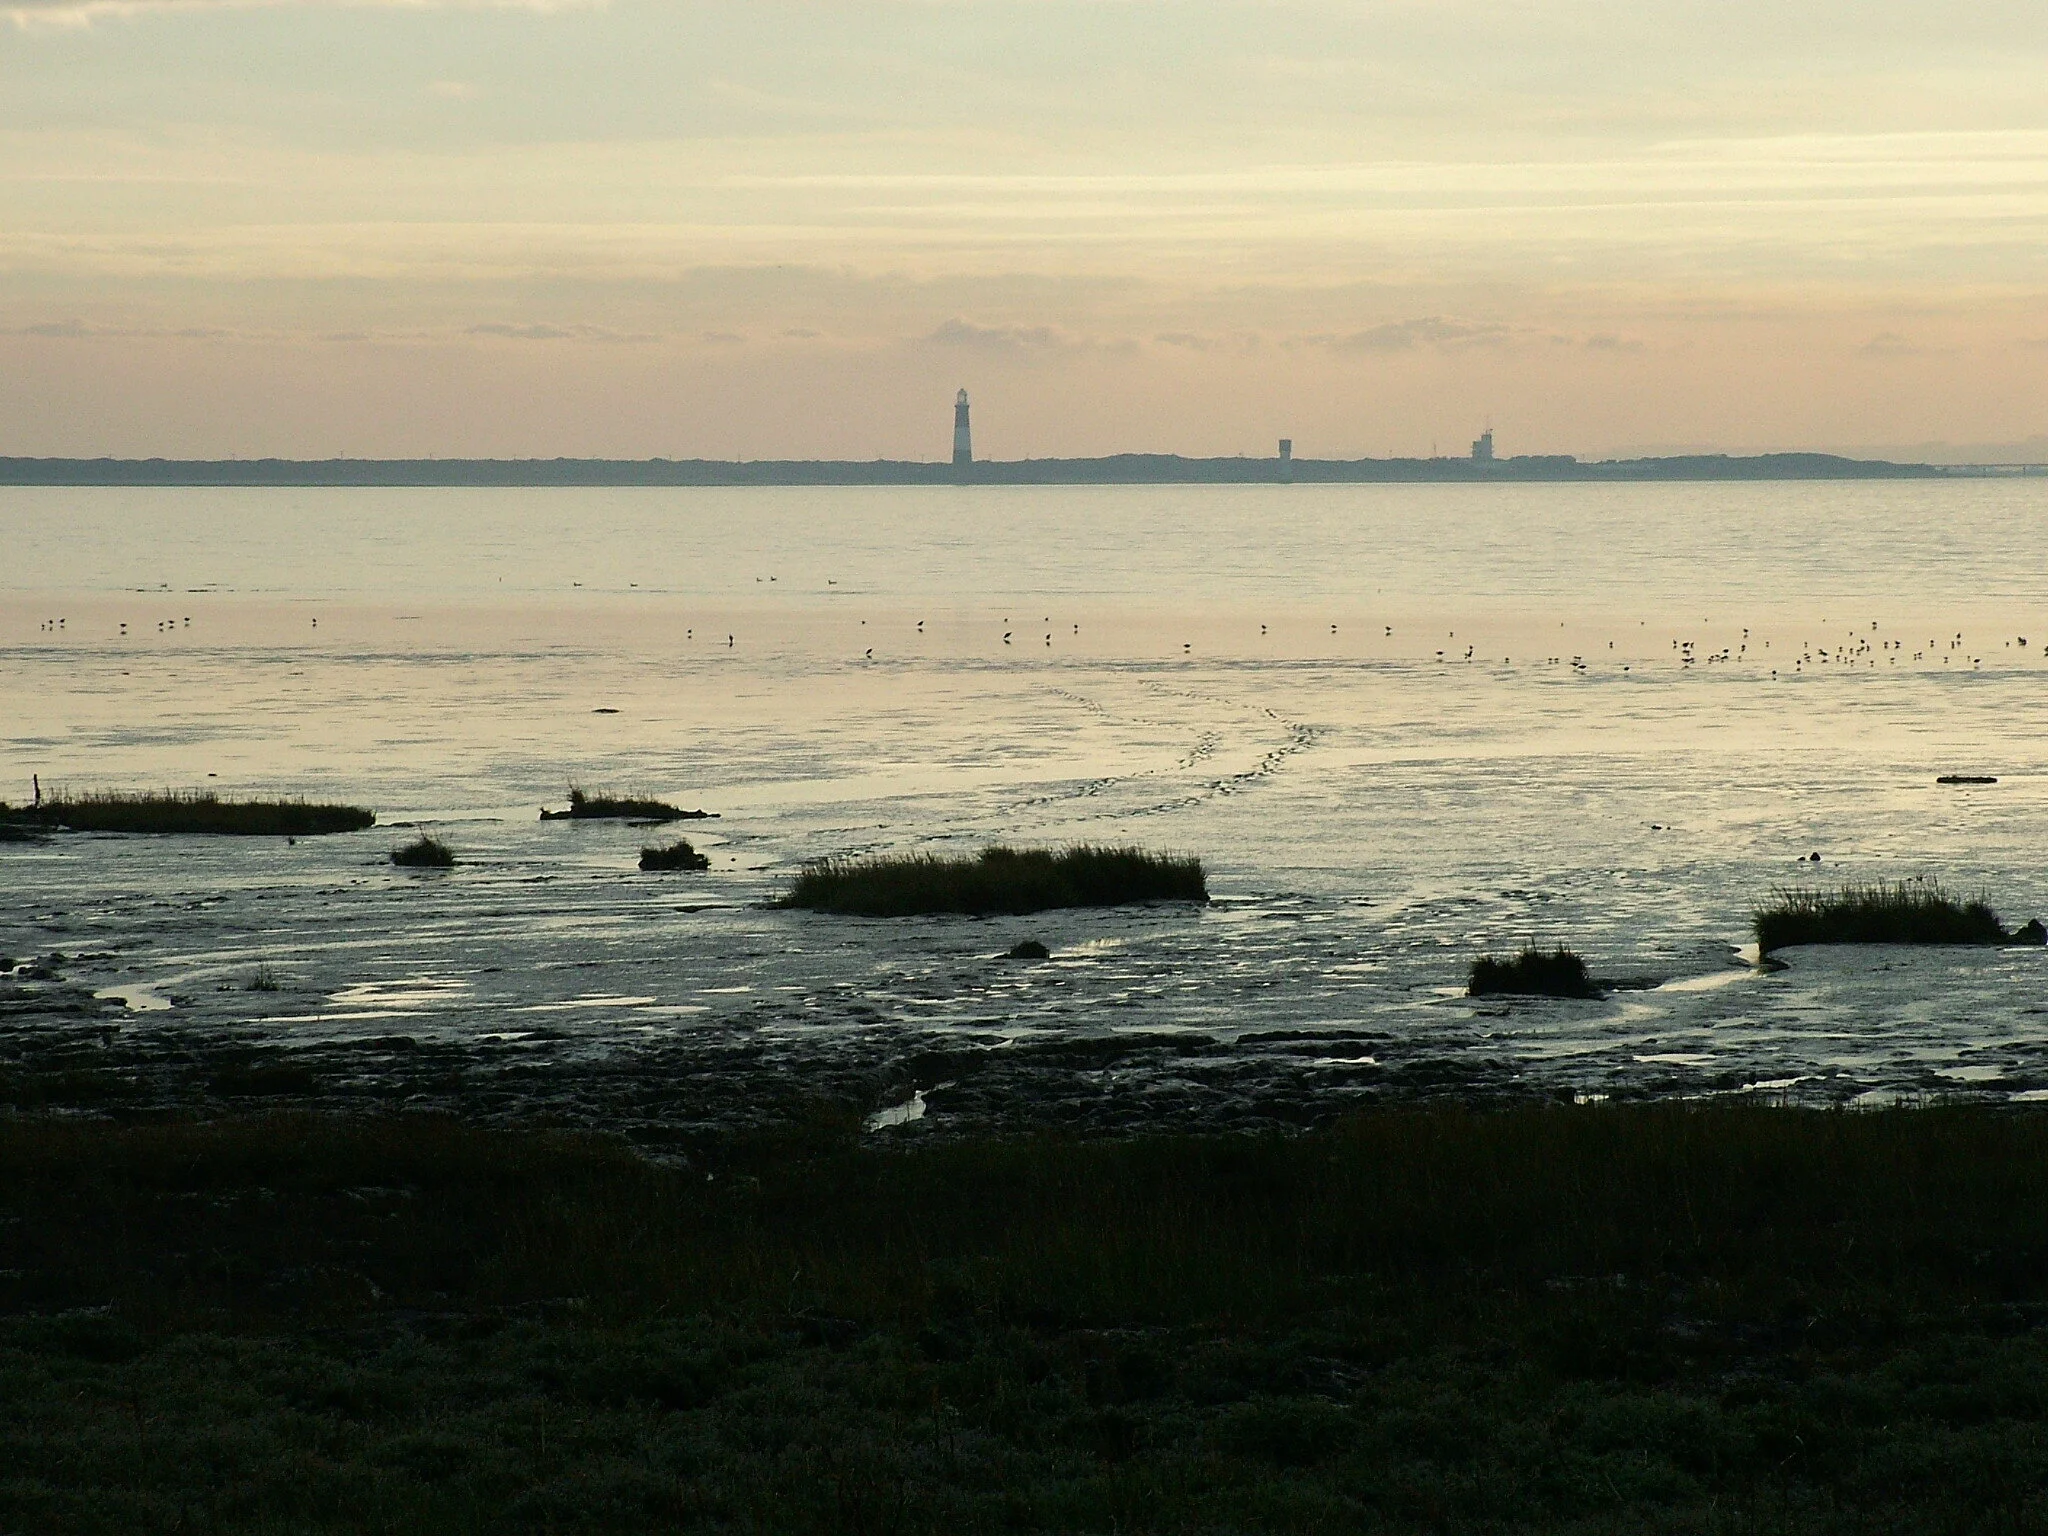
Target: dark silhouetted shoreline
column 1117, row 469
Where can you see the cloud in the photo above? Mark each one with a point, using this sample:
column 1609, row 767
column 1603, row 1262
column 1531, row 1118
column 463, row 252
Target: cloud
column 26, row 14
column 1603, row 342
column 1001, row 338
column 540, row 331
column 1429, row 330
column 1891, row 344
column 78, row 330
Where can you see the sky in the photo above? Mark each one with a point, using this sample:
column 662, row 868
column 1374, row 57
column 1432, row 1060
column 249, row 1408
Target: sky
column 793, row 228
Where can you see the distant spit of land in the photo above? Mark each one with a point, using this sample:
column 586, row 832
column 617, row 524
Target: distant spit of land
column 1117, row 469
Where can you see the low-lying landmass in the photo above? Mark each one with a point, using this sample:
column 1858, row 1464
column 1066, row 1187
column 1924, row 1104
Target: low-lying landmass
column 186, row 811
column 1531, row 973
column 423, row 852
column 998, row 879
column 1906, row 913
column 602, row 806
column 677, row 855
column 1110, row 469
column 1703, row 1318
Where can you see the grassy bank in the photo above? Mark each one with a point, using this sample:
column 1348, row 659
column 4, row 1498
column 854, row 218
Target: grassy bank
column 1532, row 973
column 424, row 852
column 677, row 855
column 1875, row 914
column 190, row 811
column 1716, row 1318
column 996, row 880
column 603, row 806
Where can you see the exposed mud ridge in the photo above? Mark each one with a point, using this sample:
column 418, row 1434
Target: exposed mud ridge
column 62, row 1050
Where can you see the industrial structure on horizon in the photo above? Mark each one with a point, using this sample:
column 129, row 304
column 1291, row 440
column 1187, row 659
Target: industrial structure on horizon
column 963, row 445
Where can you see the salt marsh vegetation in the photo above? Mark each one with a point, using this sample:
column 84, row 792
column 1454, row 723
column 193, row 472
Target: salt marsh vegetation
column 998, row 879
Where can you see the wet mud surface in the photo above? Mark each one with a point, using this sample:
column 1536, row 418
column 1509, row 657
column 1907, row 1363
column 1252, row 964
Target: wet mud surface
column 1401, row 731
column 63, row 1049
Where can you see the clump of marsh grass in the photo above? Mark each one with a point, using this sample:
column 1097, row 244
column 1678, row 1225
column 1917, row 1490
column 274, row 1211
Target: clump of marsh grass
column 1911, row 912
column 264, row 979
column 603, row 806
column 998, row 879
column 678, row 855
column 424, row 852
column 188, row 811
column 1532, row 973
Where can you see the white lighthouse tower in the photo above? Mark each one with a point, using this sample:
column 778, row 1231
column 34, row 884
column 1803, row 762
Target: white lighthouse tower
column 963, row 438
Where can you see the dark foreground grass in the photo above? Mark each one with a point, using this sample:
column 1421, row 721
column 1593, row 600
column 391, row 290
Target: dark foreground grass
column 1715, row 1318
column 677, row 855
column 1876, row 914
column 424, row 852
column 997, row 880
column 608, row 807
column 190, row 811
column 1532, row 973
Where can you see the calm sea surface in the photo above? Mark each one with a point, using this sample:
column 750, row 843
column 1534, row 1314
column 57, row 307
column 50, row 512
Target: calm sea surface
column 1402, row 725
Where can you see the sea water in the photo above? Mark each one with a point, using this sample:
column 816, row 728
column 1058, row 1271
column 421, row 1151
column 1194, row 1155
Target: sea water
column 1401, row 725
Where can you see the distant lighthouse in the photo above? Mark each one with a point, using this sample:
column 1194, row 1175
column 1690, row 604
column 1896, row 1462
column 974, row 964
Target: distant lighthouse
column 963, row 439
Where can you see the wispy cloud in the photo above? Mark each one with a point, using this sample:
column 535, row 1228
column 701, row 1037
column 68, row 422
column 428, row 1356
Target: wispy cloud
column 27, row 14
column 78, row 330
column 1002, row 338
column 1425, row 331
column 542, row 331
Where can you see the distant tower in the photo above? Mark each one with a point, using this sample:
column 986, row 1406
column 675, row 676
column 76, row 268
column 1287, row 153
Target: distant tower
column 1286, row 460
column 963, row 439
column 1482, row 449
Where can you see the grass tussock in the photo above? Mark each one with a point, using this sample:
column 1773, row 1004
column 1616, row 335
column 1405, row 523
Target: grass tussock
column 424, row 852
column 998, row 879
column 1701, row 1318
column 1906, row 913
column 189, row 811
column 1532, row 973
column 602, row 806
column 677, row 855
